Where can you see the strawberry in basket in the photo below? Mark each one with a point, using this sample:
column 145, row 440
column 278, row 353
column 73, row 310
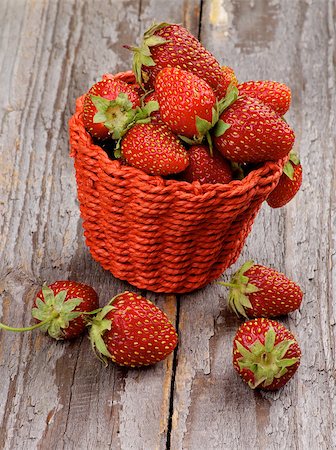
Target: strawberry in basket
column 154, row 149
column 250, row 131
column 276, row 96
column 289, row 183
column 109, row 107
column 187, row 103
column 171, row 45
column 206, row 168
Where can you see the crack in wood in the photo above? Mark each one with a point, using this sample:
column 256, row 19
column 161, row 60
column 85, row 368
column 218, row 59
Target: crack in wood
column 172, row 384
column 199, row 33
column 71, row 389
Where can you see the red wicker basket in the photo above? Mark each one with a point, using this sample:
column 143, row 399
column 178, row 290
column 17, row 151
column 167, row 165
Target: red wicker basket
column 162, row 235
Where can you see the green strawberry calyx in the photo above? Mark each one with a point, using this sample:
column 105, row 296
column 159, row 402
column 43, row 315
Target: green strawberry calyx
column 289, row 166
column 142, row 54
column 266, row 361
column 98, row 326
column 231, row 96
column 114, row 114
column 240, row 288
column 53, row 312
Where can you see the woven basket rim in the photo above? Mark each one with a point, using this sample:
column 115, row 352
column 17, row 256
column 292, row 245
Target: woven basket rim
column 266, row 171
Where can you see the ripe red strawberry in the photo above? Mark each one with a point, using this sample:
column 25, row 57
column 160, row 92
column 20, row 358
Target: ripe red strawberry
column 273, row 94
column 186, row 102
column 132, row 331
column 259, row 291
column 265, row 354
column 108, row 107
column 60, row 309
column 154, row 149
column 171, row 45
column 230, row 75
column 205, row 168
column 249, row 131
column 289, row 184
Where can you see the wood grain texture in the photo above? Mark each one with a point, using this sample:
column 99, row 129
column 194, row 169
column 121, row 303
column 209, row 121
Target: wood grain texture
column 293, row 42
column 56, row 395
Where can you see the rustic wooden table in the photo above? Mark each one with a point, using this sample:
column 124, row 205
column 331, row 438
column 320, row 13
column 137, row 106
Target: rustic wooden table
column 56, row 396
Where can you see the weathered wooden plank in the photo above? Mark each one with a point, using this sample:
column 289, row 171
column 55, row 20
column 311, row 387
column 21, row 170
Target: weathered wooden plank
column 57, row 395
column 292, row 42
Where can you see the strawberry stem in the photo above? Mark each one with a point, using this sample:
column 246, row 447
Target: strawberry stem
column 22, row 329
column 91, row 313
column 223, row 283
column 209, row 140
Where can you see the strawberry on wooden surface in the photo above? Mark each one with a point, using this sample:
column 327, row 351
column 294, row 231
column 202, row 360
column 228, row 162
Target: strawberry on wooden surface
column 259, row 291
column 154, row 149
column 186, row 102
column 132, row 331
column 289, row 183
column 171, row 45
column 206, row 168
column 108, row 107
column 265, row 354
column 61, row 309
column 273, row 94
column 250, row 131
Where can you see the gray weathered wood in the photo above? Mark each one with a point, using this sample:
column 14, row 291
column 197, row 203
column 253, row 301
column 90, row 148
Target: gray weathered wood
column 291, row 42
column 57, row 395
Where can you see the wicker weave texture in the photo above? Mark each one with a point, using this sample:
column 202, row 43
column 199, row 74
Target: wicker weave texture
column 162, row 235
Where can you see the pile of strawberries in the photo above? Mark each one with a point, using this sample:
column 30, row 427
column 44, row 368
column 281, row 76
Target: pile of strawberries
column 187, row 117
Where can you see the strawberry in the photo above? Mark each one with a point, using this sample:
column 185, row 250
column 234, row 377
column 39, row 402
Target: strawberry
column 61, row 309
column 259, row 291
column 275, row 95
column 230, row 76
column 132, row 331
column 265, row 354
column 289, row 183
column 108, row 107
column 205, row 168
column 249, row 131
column 154, row 149
column 186, row 102
column 171, row 45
